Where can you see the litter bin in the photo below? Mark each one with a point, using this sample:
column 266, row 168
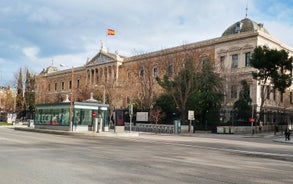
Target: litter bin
column 177, row 126
column 30, row 123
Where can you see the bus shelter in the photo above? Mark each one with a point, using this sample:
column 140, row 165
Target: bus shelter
column 56, row 116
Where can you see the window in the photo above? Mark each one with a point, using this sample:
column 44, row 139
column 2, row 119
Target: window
column 249, row 89
column 170, row 70
column 238, row 27
column 141, row 73
column 291, row 97
column 49, row 87
column 70, row 84
column 233, row 91
column 78, row 83
column 281, row 97
column 235, row 61
column 222, row 62
column 55, row 87
column 155, row 71
column 205, row 61
column 129, row 76
column 62, row 86
column 247, row 59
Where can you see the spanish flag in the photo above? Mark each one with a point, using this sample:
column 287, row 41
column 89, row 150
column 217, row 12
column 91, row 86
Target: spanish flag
column 111, row 32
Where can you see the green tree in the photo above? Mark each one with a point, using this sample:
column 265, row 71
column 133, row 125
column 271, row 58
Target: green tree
column 29, row 94
column 181, row 87
column 165, row 102
column 207, row 99
column 19, row 96
column 242, row 106
column 274, row 68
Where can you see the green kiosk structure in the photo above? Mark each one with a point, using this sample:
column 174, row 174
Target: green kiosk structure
column 86, row 116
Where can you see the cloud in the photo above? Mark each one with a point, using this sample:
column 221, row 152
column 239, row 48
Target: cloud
column 44, row 15
column 33, row 32
column 31, row 53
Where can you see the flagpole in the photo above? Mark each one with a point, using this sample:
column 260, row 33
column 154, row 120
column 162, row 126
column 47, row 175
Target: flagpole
column 107, row 38
column 110, row 32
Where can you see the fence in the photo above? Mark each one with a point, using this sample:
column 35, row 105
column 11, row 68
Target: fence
column 154, row 128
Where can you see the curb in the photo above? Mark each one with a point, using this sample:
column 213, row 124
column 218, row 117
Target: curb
column 282, row 140
column 58, row 132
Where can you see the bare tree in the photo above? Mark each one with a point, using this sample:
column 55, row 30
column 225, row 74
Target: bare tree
column 156, row 114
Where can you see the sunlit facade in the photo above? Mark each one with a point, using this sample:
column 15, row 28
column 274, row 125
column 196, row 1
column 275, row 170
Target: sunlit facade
column 122, row 80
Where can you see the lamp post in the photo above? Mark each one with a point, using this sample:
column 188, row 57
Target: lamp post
column 71, row 99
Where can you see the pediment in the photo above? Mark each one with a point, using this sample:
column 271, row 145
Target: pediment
column 100, row 58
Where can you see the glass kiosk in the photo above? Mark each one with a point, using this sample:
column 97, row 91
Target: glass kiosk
column 56, row 116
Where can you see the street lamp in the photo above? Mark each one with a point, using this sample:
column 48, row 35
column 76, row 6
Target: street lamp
column 71, row 99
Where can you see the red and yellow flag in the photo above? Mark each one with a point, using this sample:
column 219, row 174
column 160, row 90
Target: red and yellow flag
column 111, row 32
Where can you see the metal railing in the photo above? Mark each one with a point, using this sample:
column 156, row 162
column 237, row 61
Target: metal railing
column 153, row 128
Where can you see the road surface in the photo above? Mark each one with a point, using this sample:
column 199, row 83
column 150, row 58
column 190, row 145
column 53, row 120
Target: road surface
column 38, row 158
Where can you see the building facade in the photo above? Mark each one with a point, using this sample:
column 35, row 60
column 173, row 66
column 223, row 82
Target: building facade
column 119, row 80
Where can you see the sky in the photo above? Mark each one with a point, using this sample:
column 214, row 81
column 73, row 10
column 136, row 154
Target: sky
column 35, row 34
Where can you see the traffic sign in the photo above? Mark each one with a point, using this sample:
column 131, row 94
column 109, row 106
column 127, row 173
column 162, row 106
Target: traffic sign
column 94, row 114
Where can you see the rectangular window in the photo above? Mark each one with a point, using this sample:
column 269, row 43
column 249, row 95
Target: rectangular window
column 155, row 71
column 274, row 94
column 233, row 91
column 249, row 89
column 49, row 87
column 55, row 87
column 222, row 62
column 291, row 97
column 235, row 61
column 281, row 97
column 247, row 59
column 70, row 84
column 170, row 70
column 129, row 76
column 205, row 61
column 78, row 83
column 62, row 86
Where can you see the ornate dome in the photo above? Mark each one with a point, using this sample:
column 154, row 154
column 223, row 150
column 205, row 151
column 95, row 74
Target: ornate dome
column 49, row 69
column 245, row 25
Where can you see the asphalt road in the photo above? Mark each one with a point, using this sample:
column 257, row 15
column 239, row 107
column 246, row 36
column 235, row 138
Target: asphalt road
column 37, row 158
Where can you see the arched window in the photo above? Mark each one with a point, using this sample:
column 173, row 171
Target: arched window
column 141, row 72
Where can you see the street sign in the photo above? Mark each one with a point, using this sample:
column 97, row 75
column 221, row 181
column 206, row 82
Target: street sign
column 94, row 114
column 252, row 120
column 190, row 115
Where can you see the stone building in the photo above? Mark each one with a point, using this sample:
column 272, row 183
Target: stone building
column 120, row 80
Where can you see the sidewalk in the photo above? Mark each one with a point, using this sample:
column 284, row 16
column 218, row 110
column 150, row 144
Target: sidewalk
column 281, row 139
column 268, row 135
